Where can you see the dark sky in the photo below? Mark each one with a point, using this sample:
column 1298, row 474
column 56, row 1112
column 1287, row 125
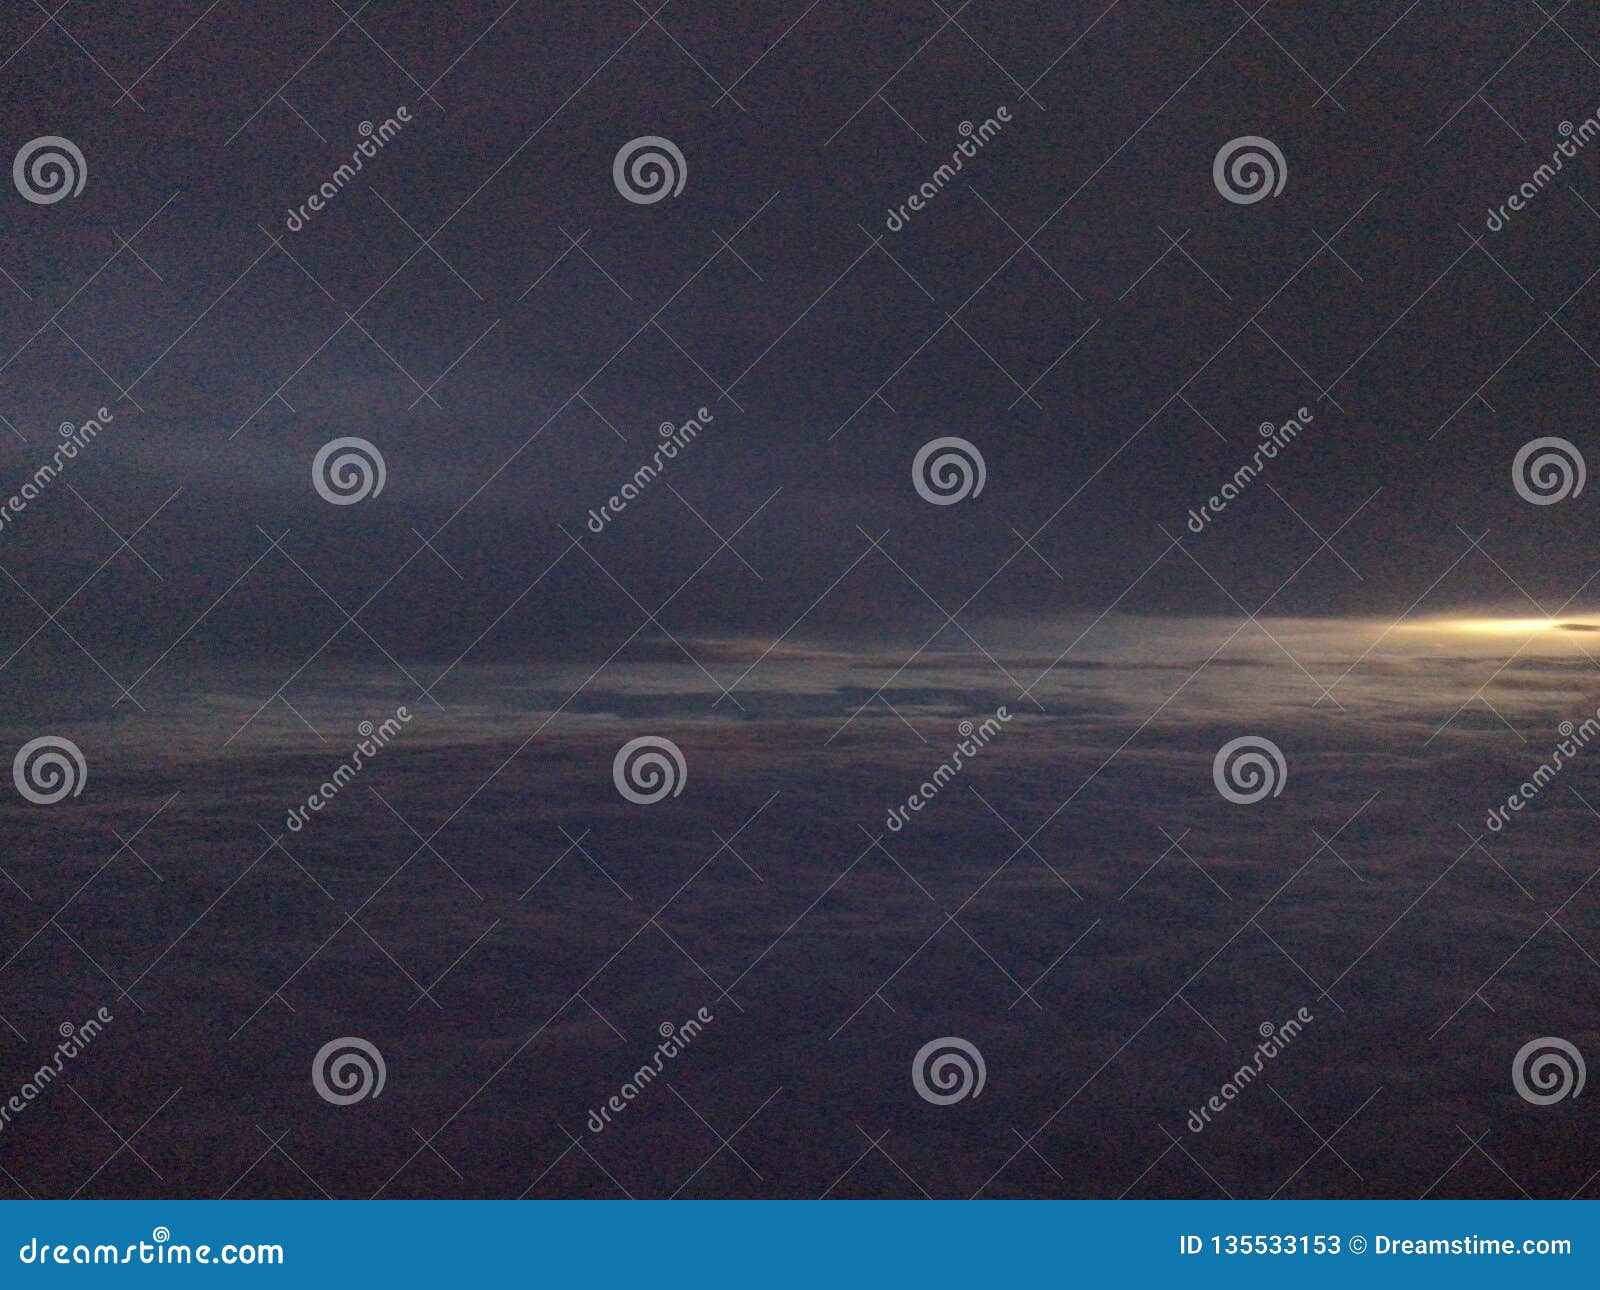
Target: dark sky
column 828, row 348
column 1085, row 305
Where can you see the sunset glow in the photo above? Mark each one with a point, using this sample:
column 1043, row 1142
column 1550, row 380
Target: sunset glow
column 1507, row 626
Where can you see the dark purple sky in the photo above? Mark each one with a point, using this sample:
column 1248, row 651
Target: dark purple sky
column 1085, row 305
column 828, row 348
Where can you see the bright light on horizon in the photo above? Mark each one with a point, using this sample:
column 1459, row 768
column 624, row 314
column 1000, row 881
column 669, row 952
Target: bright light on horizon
column 1506, row 626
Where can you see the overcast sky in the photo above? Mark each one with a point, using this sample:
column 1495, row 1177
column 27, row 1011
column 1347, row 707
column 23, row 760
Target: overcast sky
column 1111, row 378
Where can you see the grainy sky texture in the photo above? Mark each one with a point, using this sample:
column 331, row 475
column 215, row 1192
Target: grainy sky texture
column 987, row 315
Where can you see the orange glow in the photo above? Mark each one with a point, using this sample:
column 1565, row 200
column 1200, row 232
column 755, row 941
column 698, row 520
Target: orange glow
column 1506, row 626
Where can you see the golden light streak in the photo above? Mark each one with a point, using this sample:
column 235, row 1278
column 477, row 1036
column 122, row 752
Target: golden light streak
column 1506, row 626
